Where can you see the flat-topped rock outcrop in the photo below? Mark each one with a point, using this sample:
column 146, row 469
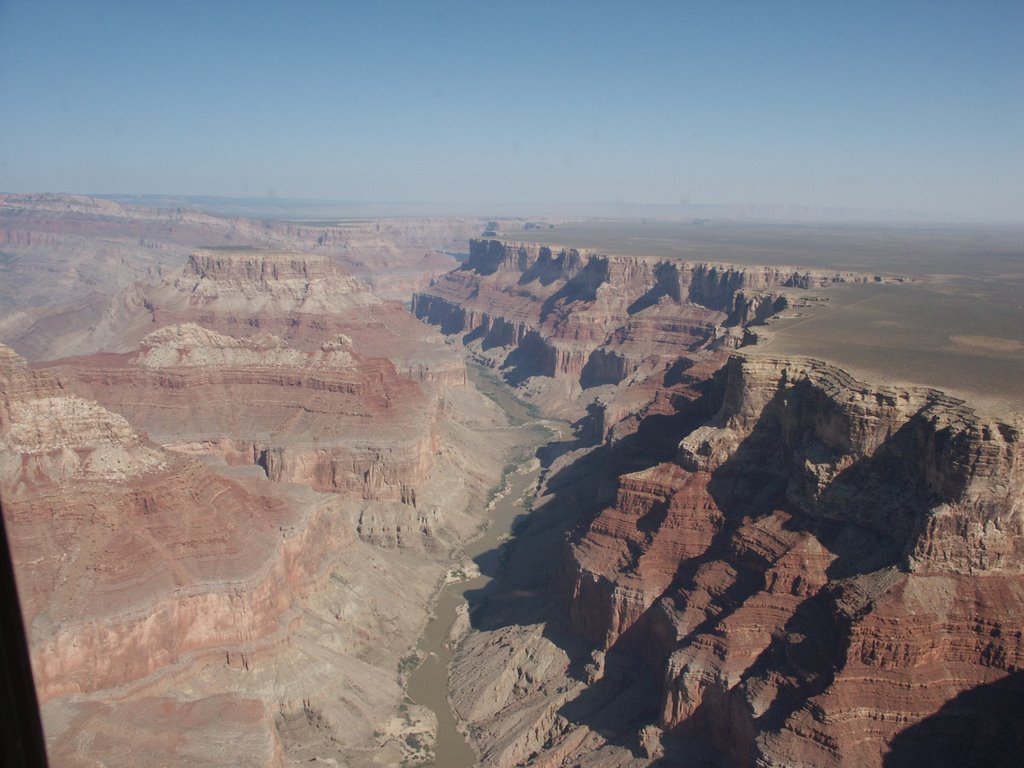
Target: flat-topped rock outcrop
column 239, row 279
column 567, row 313
column 901, row 461
column 301, row 298
column 62, row 245
column 331, row 418
column 69, row 259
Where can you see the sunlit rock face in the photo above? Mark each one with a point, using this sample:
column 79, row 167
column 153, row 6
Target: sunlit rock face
column 124, row 551
column 823, row 571
column 596, row 319
column 331, row 418
column 825, row 563
column 240, row 513
column 253, row 281
column 302, row 298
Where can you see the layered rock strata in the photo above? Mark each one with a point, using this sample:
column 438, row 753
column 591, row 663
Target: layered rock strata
column 60, row 245
column 825, row 563
column 119, row 542
column 332, row 419
column 201, row 587
column 596, row 319
column 824, row 572
column 162, row 588
column 67, row 260
column 301, row 298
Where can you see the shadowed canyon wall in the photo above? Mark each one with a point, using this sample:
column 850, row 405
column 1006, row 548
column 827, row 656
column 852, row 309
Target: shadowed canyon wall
column 597, row 319
column 820, row 563
column 824, row 562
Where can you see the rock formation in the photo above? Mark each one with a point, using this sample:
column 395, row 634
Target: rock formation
column 301, row 298
column 246, row 526
column 330, row 419
column 593, row 319
column 122, row 542
column 65, row 260
column 824, row 563
column 61, row 244
column 239, row 511
column 819, row 565
column 187, row 587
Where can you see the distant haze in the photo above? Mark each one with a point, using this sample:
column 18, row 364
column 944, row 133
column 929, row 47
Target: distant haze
column 908, row 110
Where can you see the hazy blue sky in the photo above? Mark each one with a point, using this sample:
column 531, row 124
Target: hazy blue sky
column 910, row 106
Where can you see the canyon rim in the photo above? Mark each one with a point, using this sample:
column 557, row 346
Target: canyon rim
column 236, row 470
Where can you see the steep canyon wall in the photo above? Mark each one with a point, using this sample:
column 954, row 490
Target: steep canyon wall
column 241, row 511
column 595, row 319
column 824, row 563
column 825, row 571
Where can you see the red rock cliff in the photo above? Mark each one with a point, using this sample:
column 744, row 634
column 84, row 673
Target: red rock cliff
column 331, row 419
column 597, row 319
column 132, row 559
column 826, row 563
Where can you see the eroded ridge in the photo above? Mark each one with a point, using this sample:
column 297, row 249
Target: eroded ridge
column 595, row 319
column 221, row 521
column 824, row 571
column 132, row 560
column 824, row 568
column 330, row 418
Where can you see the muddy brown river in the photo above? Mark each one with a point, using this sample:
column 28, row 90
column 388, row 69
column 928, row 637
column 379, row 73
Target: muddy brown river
column 428, row 683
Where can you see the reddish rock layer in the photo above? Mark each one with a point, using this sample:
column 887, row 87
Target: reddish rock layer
column 130, row 558
column 330, row 419
column 827, row 564
column 302, row 298
column 822, row 565
column 159, row 592
column 597, row 319
column 631, row 551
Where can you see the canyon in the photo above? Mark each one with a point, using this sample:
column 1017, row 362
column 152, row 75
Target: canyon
column 236, row 472
column 748, row 559
column 229, row 512
column 68, row 259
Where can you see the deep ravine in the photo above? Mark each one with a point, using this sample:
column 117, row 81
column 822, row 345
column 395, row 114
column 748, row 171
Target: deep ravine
column 427, row 685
